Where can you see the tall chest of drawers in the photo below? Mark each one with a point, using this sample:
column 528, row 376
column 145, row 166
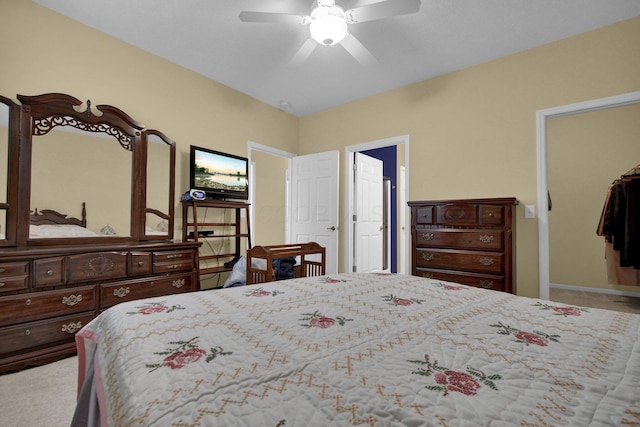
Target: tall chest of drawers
column 468, row 241
column 48, row 294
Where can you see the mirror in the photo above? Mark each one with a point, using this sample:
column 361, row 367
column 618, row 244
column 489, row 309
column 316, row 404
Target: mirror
column 70, row 167
column 4, row 169
column 159, row 211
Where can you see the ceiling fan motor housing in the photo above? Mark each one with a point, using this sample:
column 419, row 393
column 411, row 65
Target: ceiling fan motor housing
column 328, row 25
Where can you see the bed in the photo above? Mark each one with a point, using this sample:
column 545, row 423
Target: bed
column 48, row 223
column 357, row 350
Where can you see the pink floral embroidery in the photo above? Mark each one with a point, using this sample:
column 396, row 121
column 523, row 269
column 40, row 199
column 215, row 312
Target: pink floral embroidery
column 331, row 280
column 185, row 353
column 536, row 337
column 317, row 320
column 155, row 307
column 261, row 292
column 322, row 322
column 530, row 338
column 448, row 380
column 180, row 358
column 562, row 311
column 458, row 381
column 394, row 300
column 448, row 287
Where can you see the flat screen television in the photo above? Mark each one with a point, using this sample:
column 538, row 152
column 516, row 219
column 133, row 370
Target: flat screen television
column 220, row 175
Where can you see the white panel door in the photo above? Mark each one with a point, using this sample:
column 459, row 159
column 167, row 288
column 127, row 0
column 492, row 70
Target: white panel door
column 369, row 214
column 314, row 203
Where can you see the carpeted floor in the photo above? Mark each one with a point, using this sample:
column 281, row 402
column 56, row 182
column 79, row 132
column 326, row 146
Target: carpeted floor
column 595, row 300
column 44, row 396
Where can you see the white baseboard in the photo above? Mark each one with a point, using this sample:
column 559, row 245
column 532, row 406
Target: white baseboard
column 595, row 290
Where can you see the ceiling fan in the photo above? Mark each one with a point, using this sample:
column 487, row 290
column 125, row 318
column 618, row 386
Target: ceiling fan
column 329, row 22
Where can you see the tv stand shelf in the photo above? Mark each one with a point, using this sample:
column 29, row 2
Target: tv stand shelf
column 221, row 236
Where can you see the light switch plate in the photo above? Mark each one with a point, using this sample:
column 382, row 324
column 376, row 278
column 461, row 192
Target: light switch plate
column 529, row 211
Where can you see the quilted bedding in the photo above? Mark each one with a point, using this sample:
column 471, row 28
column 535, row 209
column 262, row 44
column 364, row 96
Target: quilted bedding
column 360, row 350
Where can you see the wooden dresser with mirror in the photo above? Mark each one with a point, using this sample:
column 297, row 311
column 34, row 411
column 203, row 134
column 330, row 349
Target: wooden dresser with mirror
column 86, row 222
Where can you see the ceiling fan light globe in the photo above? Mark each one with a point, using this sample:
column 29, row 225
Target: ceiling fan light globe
column 328, row 29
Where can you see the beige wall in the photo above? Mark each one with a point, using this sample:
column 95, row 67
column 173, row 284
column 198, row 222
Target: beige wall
column 472, row 132
column 44, row 52
column 586, row 152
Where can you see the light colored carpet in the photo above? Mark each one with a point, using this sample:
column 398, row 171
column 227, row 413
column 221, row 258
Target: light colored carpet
column 42, row 396
column 595, row 300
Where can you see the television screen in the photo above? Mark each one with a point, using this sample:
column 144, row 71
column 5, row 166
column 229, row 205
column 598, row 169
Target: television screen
column 219, row 175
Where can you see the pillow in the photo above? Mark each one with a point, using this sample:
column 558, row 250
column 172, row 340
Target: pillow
column 58, row 230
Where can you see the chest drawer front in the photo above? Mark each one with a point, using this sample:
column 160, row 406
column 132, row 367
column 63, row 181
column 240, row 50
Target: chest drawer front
column 167, row 262
column 39, row 305
column 492, row 214
column 48, row 272
column 14, row 276
column 495, row 283
column 486, row 240
column 141, row 263
column 457, row 214
column 97, row 266
column 424, row 214
column 482, row 262
column 116, row 293
column 46, row 332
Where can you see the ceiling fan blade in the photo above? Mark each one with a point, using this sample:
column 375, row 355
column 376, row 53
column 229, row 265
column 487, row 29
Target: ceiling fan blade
column 358, row 51
column 383, row 9
column 303, row 53
column 271, row 17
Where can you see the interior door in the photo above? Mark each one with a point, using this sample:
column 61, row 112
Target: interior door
column 369, row 221
column 314, row 203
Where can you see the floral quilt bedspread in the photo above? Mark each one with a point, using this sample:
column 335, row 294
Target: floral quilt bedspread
column 361, row 350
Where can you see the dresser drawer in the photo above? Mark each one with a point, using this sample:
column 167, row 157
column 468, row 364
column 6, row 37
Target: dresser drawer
column 482, row 262
column 495, row 283
column 97, row 266
column 486, row 240
column 167, row 262
column 115, row 293
column 141, row 263
column 424, row 215
column 42, row 333
column 14, row 276
column 48, row 271
column 491, row 214
column 457, row 214
column 39, row 305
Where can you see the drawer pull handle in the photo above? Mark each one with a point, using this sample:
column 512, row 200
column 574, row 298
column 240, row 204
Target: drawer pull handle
column 28, row 302
column 178, row 283
column 1, row 284
column 72, row 300
column 49, row 273
column 175, row 266
column 427, row 257
column 487, row 284
column 486, row 238
column 486, row 261
column 140, row 263
column 428, row 236
column 2, row 270
column 490, row 214
column 121, row 292
column 71, row 327
column 172, row 256
column 428, row 275
column 27, row 333
column 152, row 284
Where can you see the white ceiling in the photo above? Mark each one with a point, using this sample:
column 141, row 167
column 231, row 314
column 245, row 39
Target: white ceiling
column 207, row 37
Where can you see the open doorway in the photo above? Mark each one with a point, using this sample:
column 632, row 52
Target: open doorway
column 399, row 236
